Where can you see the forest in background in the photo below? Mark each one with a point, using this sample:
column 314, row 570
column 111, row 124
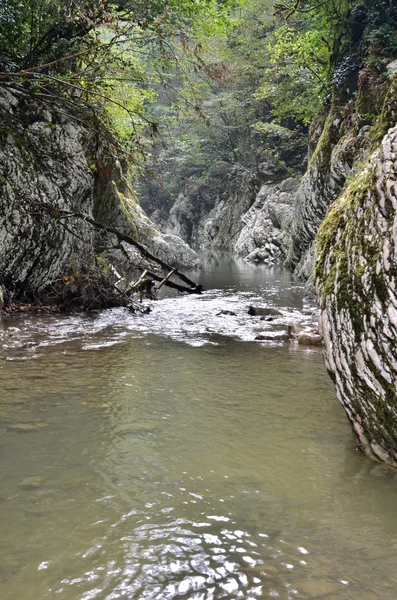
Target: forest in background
column 188, row 90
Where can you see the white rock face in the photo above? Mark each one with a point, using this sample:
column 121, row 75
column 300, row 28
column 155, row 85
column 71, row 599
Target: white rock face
column 265, row 235
column 247, row 220
column 212, row 220
column 49, row 159
column 356, row 280
column 42, row 162
column 392, row 67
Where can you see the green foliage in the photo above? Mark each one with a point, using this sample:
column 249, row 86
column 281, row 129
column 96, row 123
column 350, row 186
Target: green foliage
column 295, row 77
column 194, row 87
column 272, row 131
column 104, row 57
column 379, row 28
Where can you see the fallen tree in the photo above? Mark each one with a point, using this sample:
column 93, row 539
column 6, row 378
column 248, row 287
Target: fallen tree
column 94, row 288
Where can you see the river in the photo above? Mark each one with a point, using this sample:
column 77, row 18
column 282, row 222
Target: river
column 171, row 456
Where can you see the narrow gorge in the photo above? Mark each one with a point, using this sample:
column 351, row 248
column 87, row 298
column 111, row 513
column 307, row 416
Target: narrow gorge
column 198, row 299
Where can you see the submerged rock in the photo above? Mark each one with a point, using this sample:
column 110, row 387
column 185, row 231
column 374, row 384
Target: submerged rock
column 317, row 588
column 307, row 336
column 31, row 483
column 26, row 427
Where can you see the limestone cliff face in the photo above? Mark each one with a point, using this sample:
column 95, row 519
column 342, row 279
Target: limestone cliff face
column 249, row 218
column 356, row 279
column 344, row 140
column 209, row 216
column 320, row 186
column 265, row 236
column 50, row 158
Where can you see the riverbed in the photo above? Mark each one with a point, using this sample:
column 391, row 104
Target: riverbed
column 170, row 455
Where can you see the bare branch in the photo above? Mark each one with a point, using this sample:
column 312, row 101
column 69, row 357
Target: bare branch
column 122, row 237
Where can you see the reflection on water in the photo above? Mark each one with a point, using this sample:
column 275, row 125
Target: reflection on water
column 188, row 465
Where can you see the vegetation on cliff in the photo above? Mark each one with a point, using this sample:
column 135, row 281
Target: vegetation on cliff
column 264, row 85
column 74, row 79
column 187, row 96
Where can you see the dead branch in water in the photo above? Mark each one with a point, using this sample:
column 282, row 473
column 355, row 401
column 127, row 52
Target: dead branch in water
column 191, row 287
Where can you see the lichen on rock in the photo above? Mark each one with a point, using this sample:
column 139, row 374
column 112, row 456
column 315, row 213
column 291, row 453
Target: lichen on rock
column 355, row 277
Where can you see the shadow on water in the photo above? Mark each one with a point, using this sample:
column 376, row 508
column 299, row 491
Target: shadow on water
column 168, row 458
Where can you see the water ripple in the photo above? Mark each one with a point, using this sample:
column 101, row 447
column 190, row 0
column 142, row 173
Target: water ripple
column 195, row 320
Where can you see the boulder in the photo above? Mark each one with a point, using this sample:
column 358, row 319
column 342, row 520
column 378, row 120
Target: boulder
column 356, row 283
column 258, row 311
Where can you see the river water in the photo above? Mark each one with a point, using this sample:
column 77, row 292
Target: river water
column 171, row 456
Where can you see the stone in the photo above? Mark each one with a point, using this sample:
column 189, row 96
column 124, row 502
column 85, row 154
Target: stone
column 26, row 427
column 317, row 588
column 392, row 67
column 67, row 177
column 175, row 251
column 256, row 311
column 31, row 483
column 356, row 291
column 307, row 338
column 289, row 185
column 321, row 185
column 226, row 312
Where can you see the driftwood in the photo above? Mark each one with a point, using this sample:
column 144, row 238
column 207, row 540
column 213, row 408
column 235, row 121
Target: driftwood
column 176, row 286
column 122, row 237
column 191, row 287
column 138, row 283
column 164, row 281
column 133, row 306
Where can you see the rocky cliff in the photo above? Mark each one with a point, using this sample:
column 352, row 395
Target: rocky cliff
column 340, row 140
column 52, row 160
column 356, row 284
column 348, row 199
column 248, row 214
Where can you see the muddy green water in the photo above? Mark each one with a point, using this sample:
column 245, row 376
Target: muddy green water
column 173, row 457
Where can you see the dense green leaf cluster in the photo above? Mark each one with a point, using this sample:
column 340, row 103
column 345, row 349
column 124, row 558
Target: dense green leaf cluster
column 261, row 82
column 201, row 86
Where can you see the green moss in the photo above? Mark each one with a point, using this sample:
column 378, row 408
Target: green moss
column 387, row 118
column 103, row 263
column 383, row 409
column 328, row 138
column 130, row 214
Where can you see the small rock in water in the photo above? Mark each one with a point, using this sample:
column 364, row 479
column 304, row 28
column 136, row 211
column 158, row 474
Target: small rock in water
column 31, row 483
column 317, row 588
column 29, row 345
column 309, row 339
column 226, row 312
column 26, row 427
column 268, row 319
column 257, row 311
column 273, row 336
